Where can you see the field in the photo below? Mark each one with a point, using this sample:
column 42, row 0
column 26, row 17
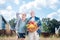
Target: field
column 15, row 38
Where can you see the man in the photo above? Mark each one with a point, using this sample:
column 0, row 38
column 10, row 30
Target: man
column 34, row 35
column 21, row 27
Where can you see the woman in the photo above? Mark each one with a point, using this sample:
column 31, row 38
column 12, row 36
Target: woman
column 20, row 28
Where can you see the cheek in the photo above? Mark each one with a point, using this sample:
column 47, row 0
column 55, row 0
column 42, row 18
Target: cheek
column 31, row 14
column 24, row 16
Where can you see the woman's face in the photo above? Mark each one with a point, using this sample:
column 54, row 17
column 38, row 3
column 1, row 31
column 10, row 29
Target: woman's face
column 23, row 15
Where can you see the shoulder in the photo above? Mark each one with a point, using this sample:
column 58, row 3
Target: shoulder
column 29, row 18
column 37, row 18
column 26, row 19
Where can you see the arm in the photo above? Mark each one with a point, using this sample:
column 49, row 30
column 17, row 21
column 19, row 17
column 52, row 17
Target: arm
column 17, row 25
column 38, row 24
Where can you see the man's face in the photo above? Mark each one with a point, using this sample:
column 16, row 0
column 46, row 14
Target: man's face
column 32, row 14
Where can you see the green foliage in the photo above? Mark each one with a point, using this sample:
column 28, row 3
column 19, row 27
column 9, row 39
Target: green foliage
column 12, row 22
column 45, row 27
column 49, row 25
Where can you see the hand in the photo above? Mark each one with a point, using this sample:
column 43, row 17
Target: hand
column 16, row 32
column 33, row 30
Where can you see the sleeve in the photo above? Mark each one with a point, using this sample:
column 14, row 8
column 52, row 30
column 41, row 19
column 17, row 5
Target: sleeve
column 39, row 23
column 17, row 25
column 28, row 19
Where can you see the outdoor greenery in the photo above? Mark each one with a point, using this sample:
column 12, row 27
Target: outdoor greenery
column 47, row 24
column 12, row 23
column 50, row 24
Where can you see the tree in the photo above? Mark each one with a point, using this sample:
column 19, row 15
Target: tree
column 12, row 23
column 45, row 27
column 45, row 24
column 52, row 24
column 49, row 25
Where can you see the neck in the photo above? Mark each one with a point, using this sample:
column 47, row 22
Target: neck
column 23, row 19
column 33, row 16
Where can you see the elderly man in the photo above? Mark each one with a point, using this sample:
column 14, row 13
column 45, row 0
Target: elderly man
column 35, row 34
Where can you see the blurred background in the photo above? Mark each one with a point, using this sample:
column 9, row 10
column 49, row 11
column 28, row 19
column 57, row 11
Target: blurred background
column 47, row 10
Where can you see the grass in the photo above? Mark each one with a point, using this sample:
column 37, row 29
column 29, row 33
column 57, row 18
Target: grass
column 15, row 38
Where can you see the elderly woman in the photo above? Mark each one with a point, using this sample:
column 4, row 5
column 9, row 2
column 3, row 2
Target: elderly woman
column 20, row 27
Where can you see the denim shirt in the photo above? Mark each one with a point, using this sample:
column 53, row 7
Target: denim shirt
column 38, row 23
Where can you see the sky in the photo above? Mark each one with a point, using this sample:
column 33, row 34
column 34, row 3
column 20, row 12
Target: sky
column 42, row 8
